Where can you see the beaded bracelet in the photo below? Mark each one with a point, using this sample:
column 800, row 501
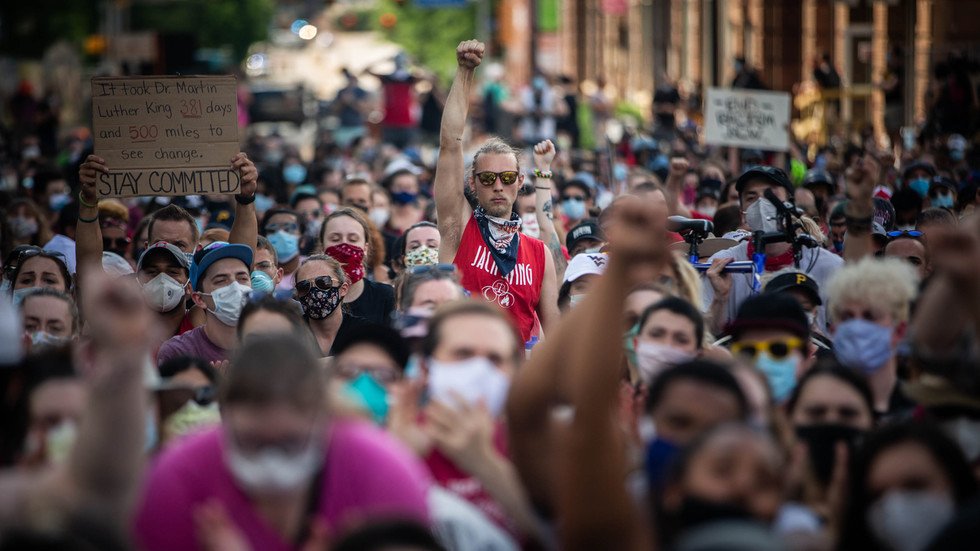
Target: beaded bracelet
column 543, row 174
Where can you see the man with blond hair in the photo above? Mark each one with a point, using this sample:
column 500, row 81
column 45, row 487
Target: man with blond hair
column 868, row 305
column 495, row 261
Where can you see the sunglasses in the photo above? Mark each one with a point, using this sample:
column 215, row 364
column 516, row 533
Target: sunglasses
column 507, row 177
column 323, row 283
column 109, row 243
column 777, row 349
column 433, row 268
column 915, row 234
column 288, row 227
column 172, row 399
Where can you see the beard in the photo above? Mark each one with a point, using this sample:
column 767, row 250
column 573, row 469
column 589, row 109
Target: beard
column 497, row 210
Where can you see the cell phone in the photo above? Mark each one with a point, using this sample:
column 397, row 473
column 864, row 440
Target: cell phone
column 739, row 267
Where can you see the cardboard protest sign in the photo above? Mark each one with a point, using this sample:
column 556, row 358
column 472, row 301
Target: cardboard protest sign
column 747, row 118
column 166, row 135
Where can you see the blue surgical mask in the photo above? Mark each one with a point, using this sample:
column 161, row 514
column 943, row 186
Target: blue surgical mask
column 862, row 344
column 58, row 201
column 286, row 245
column 262, row 283
column 263, row 202
column 574, row 209
column 404, row 197
column 19, row 294
column 943, row 201
column 781, row 374
column 920, row 186
column 294, row 174
column 367, row 390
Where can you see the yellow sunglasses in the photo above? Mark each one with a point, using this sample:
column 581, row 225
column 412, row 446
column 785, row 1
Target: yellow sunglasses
column 777, row 348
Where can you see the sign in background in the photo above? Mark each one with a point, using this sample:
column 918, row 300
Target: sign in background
column 166, row 135
column 747, row 118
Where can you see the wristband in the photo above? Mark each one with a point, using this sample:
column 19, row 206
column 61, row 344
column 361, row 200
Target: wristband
column 543, row 174
column 81, row 201
column 247, row 201
column 88, row 220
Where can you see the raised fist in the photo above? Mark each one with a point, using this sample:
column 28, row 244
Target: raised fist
column 469, row 54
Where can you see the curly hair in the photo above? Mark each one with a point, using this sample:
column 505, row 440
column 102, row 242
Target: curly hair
column 889, row 282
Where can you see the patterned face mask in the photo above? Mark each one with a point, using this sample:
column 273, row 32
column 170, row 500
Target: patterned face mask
column 422, row 256
column 318, row 304
column 351, row 257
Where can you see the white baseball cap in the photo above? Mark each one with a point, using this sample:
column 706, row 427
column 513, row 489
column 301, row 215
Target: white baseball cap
column 585, row 264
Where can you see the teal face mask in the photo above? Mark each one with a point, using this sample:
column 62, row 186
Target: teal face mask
column 369, row 392
column 781, row 374
column 920, row 186
column 262, row 283
column 629, row 343
column 943, row 201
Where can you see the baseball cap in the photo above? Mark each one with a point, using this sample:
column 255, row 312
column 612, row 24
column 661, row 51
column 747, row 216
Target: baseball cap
column 816, row 177
column 795, row 280
column 204, row 258
column 770, row 311
column 162, row 247
column 942, row 181
column 772, row 174
column 587, row 229
column 586, row 264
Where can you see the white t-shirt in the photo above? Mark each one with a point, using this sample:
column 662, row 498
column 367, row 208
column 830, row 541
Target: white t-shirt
column 820, row 264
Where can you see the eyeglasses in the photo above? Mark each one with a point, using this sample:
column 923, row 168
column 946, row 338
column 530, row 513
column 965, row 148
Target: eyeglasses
column 109, row 243
column 31, row 252
column 324, row 283
column 777, row 348
column 288, row 227
column 382, row 374
column 433, row 268
column 914, row 234
column 265, row 265
column 488, row 178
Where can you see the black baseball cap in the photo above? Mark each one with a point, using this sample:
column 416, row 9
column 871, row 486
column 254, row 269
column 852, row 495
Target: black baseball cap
column 772, row 174
column 795, row 280
column 922, row 165
column 586, row 229
column 770, row 311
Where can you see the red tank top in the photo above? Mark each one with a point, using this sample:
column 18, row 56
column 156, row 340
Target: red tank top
column 519, row 292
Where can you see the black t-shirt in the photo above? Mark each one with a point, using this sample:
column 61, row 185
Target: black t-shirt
column 374, row 305
column 349, row 323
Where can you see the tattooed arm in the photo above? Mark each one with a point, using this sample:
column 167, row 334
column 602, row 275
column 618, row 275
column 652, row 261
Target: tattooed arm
column 544, row 153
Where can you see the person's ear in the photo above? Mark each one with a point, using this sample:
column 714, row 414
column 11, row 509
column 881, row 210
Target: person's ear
column 278, row 277
column 520, row 180
column 344, row 289
column 198, row 300
column 899, row 333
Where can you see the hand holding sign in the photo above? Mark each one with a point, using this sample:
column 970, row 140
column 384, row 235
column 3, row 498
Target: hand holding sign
column 168, row 136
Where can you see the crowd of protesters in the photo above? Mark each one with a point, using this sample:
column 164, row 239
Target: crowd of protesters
column 652, row 345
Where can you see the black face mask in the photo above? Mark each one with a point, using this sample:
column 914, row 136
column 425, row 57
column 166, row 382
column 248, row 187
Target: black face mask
column 695, row 511
column 821, row 443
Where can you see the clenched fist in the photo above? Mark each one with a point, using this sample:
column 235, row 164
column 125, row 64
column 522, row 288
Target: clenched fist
column 469, row 54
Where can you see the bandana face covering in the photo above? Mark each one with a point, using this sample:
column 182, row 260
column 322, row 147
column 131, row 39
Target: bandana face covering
column 352, row 257
column 501, row 237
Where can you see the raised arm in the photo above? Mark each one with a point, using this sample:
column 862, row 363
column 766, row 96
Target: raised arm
column 245, row 228
column 596, row 511
column 451, row 207
column 675, row 187
column 88, row 233
column 544, row 154
column 859, row 211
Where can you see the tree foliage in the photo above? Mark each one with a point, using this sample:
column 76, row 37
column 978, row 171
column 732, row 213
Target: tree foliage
column 28, row 28
column 215, row 23
column 429, row 36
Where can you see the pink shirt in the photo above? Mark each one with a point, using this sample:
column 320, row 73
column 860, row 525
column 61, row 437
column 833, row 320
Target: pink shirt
column 365, row 474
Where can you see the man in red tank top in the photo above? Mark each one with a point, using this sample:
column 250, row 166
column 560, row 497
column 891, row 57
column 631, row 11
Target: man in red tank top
column 495, row 260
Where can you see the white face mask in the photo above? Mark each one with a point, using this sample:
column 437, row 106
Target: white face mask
column 43, row 339
column 270, row 471
column 761, row 215
column 652, row 358
column 229, row 301
column 908, row 520
column 163, row 293
column 476, row 379
column 575, row 300
column 966, row 433
column 379, row 216
column 708, row 210
column 19, row 294
column 529, row 225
